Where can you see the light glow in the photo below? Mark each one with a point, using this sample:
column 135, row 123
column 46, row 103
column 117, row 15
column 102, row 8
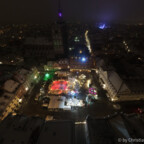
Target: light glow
column 20, row 100
column 60, row 14
column 35, row 77
column 26, row 88
column 104, row 86
column 83, row 59
column 92, row 91
column 72, row 93
column 102, row 26
column 59, row 87
column 88, row 42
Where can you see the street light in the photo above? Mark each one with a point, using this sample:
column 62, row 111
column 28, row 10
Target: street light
column 80, row 51
column 83, row 59
column 26, row 88
column 20, row 100
column 35, row 77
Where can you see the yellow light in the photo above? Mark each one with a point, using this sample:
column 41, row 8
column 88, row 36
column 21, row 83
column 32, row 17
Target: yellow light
column 84, row 122
column 80, row 51
column 20, row 100
column 97, row 71
column 35, row 77
column 26, row 88
column 104, row 86
column 113, row 99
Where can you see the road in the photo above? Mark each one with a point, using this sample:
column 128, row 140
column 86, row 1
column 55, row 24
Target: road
column 80, row 134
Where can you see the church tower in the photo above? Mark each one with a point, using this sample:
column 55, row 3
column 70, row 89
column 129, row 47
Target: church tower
column 60, row 14
column 59, row 31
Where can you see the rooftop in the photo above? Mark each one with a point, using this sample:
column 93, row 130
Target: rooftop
column 10, row 85
column 24, row 130
column 57, row 132
column 109, row 129
column 128, row 70
column 58, row 102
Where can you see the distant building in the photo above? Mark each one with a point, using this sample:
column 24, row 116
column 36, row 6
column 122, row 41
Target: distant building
column 58, row 39
column 25, row 130
column 97, row 40
column 64, row 63
column 39, row 47
column 57, row 65
column 48, row 47
column 11, row 59
column 80, row 63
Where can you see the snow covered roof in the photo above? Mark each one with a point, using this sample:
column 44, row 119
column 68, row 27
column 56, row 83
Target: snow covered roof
column 58, row 102
column 10, row 85
column 21, row 75
column 117, row 82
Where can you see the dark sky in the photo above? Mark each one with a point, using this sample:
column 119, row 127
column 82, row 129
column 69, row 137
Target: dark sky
column 41, row 11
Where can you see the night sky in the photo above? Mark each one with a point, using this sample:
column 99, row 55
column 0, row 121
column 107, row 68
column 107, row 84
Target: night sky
column 42, row 11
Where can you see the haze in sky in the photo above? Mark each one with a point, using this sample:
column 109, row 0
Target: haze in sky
column 42, row 11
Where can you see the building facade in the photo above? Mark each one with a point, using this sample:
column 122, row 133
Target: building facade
column 13, row 91
column 118, row 88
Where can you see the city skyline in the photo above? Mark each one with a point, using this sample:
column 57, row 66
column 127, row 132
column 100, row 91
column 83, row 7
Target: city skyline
column 45, row 11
